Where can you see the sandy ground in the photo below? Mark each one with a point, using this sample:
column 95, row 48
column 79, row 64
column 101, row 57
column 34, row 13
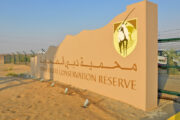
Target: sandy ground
column 30, row 99
column 11, row 68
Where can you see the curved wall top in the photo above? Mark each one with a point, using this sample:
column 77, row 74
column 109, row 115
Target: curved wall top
column 115, row 62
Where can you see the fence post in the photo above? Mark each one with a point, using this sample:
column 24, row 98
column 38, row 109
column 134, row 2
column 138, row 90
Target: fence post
column 167, row 64
column 25, row 57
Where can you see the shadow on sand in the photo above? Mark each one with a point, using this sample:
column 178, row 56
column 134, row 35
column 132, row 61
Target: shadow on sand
column 9, row 82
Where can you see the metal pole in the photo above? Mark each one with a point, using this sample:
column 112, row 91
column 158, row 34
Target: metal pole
column 19, row 57
column 25, row 57
column 167, row 64
column 33, row 53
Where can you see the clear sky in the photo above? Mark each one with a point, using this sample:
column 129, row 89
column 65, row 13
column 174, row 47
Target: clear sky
column 36, row 24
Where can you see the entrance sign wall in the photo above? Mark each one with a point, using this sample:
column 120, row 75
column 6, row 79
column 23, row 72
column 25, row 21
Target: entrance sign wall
column 118, row 60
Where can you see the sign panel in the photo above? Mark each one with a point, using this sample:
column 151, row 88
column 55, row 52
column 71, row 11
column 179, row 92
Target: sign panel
column 118, row 60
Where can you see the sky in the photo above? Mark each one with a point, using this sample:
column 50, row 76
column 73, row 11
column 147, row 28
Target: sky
column 34, row 24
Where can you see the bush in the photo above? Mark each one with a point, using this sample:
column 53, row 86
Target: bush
column 171, row 63
column 12, row 74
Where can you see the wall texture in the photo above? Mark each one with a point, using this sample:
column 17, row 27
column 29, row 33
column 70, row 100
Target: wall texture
column 90, row 60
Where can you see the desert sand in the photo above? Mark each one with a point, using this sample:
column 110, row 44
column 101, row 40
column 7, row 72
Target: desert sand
column 31, row 99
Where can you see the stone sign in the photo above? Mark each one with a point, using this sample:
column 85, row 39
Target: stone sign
column 118, row 60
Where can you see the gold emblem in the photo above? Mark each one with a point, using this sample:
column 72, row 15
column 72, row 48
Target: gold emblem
column 125, row 37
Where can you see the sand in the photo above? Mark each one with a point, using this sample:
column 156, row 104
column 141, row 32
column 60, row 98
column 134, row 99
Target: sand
column 30, row 99
column 11, row 68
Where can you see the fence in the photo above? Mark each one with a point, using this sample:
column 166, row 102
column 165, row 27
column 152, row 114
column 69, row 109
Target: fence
column 171, row 55
column 169, row 66
column 16, row 58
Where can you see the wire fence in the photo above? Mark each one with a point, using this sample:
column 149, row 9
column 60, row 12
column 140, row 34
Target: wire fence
column 16, row 58
column 169, row 66
column 169, row 55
